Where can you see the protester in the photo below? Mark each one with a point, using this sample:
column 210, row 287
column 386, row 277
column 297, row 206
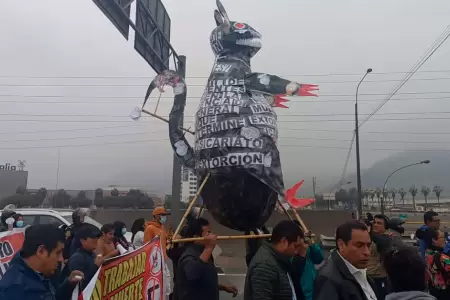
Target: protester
column 84, row 259
column 156, row 228
column 430, row 220
column 105, row 245
column 396, row 232
column 269, row 275
column 120, row 242
column 313, row 255
column 27, row 277
column 406, row 273
column 438, row 262
column 197, row 277
column 137, row 230
column 78, row 220
column 6, row 214
column 381, row 244
column 18, row 221
column 252, row 245
column 344, row 275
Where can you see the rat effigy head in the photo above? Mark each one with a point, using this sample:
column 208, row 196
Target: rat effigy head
column 231, row 37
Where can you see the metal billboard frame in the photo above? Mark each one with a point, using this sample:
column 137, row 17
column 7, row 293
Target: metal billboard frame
column 118, row 12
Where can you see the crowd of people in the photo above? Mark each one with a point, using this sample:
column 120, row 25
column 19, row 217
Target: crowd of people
column 370, row 262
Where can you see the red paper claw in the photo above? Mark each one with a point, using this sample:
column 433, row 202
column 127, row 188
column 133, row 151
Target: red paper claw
column 297, row 202
column 305, row 90
column 279, row 100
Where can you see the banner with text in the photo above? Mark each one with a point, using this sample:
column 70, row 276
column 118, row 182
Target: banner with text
column 10, row 243
column 135, row 275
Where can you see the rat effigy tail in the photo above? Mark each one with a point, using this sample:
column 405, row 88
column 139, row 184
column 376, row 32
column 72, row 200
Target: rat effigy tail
column 297, row 202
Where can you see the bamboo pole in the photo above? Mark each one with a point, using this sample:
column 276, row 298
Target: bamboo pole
column 224, row 238
column 285, row 210
column 165, row 120
column 188, row 210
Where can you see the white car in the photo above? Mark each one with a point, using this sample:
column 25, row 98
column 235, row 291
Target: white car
column 34, row 216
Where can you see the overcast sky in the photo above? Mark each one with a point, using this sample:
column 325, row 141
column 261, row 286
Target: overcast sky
column 49, row 45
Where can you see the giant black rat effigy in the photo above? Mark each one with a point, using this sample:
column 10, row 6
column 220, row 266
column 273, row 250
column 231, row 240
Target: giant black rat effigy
column 236, row 128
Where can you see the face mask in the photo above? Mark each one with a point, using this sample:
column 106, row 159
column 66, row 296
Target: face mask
column 124, row 230
column 19, row 224
column 163, row 219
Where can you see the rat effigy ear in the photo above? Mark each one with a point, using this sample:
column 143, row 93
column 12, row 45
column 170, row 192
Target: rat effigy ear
column 218, row 18
column 223, row 12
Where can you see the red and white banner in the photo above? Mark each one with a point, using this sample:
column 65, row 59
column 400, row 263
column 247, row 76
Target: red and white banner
column 134, row 275
column 139, row 274
column 10, row 243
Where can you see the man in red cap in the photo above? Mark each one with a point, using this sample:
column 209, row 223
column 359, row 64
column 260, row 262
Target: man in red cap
column 156, row 227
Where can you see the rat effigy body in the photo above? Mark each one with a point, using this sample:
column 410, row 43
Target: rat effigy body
column 236, row 128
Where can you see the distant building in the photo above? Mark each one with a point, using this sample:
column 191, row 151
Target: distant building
column 11, row 179
column 188, row 185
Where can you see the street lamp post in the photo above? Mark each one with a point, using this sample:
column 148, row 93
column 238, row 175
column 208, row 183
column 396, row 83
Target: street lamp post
column 385, row 183
column 358, row 164
column 336, row 187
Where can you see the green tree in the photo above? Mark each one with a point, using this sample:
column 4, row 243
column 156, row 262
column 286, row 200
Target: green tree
column 115, row 193
column 413, row 191
column 378, row 194
column 437, row 190
column 393, row 194
column 425, row 192
column 402, row 193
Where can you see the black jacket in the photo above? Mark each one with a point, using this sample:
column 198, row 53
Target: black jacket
column 23, row 283
column 335, row 282
column 267, row 276
column 196, row 279
column 83, row 261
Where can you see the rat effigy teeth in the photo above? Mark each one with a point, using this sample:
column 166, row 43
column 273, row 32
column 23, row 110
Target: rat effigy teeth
column 254, row 42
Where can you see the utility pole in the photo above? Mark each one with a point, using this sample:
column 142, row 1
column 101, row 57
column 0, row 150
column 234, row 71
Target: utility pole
column 314, row 191
column 57, row 169
column 176, row 168
column 358, row 163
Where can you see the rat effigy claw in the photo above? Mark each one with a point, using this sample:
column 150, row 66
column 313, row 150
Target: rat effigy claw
column 279, row 100
column 297, row 202
column 305, row 90
column 136, row 114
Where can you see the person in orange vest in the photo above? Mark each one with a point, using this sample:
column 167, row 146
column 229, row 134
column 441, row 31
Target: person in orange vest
column 156, row 227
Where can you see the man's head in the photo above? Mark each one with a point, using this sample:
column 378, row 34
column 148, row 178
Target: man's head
column 380, row 224
column 198, row 228
column 287, row 238
column 43, row 248
column 353, row 241
column 405, row 270
column 88, row 236
column 160, row 214
column 434, row 239
column 108, row 232
column 431, row 219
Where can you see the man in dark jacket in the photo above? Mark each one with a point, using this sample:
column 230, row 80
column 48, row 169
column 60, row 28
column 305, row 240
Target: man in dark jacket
column 270, row 275
column 27, row 277
column 344, row 275
column 84, row 259
column 197, row 275
column 78, row 220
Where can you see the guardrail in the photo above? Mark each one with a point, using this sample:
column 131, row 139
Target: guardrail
column 329, row 242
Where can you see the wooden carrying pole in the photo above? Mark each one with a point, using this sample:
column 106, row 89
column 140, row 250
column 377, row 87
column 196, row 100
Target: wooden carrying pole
column 191, row 205
column 164, row 120
column 221, row 238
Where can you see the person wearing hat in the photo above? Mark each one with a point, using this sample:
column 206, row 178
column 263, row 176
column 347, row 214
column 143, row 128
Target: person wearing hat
column 396, row 231
column 78, row 221
column 156, row 227
column 84, row 259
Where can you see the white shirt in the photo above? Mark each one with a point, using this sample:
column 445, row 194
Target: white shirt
column 361, row 277
column 138, row 239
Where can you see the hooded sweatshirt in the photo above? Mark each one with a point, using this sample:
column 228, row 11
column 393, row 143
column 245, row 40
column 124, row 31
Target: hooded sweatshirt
column 153, row 229
column 411, row 295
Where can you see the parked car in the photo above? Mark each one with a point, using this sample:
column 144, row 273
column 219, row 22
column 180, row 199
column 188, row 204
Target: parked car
column 34, row 216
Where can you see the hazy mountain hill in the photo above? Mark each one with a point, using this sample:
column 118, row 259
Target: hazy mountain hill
column 435, row 173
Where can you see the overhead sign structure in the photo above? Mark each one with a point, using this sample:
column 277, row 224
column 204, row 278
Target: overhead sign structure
column 118, row 12
column 153, row 33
